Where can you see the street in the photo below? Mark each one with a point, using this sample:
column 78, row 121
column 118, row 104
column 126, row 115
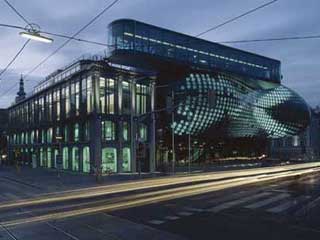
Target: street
column 280, row 202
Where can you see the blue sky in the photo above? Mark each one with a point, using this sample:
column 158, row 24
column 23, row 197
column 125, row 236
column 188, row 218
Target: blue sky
column 300, row 59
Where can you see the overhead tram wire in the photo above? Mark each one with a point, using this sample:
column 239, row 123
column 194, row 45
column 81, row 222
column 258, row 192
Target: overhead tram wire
column 272, row 39
column 14, row 58
column 17, row 27
column 17, row 12
column 72, row 37
column 236, row 18
column 66, row 42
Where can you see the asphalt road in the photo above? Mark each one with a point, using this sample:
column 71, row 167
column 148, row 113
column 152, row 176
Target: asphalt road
column 282, row 204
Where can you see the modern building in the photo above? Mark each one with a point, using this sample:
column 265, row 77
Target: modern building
column 86, row 112
column 302, row 147
column 136, row 107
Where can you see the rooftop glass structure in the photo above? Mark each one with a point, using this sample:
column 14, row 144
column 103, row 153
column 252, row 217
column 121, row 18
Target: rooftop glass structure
column 140, row 38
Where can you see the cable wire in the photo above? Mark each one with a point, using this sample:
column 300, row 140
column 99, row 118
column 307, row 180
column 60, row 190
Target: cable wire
column 272, row 39
column 237, row 17
column 17, row 12
column 14, row 58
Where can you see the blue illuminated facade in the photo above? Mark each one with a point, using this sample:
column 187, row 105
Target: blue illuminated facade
column 249, row 99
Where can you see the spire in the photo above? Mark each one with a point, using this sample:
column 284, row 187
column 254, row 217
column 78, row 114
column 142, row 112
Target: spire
column 21, row 94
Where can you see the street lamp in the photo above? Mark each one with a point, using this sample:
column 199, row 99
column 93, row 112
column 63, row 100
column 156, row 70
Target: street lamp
column 36, row 36
column 32, row 31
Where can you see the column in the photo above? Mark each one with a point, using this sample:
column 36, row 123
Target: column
column 133, row 127
column 119, row 128
column 152, row 127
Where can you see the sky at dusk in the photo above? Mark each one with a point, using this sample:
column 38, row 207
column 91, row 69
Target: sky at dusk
column 300, row 58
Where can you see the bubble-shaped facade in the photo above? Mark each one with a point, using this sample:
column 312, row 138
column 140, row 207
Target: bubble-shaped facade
column 206, row 101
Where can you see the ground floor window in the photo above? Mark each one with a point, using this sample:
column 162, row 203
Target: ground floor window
column 75, row 159
column 86, row 159
column 42, row 158
column 109, row 160
column 56, row 152
column 126, row 163
column 49, row 158
column 65, row 158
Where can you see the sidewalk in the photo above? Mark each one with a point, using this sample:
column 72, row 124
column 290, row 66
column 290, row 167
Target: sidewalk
column 47, row 180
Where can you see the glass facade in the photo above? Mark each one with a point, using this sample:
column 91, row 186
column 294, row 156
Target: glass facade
column 131, row 35
column 68, row 115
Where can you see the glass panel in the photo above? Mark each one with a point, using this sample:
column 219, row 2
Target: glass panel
column 143, row 132
column 108, row 131
column 110, row 93
column 89, row 95
column 126, row 98
column 126, row 131
column 126, row 163
column 109, row 160
column 49, row 158
column 86, row 159
column 75, row 159
column 65, row 158
column 76, row 132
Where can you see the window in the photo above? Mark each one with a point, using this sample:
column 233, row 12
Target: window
column 126, row 131
column 67, row 102
column 76, row 132
column 102, row 93
column 141, row 99
column 66, row 134
column 126, row 98
column 143, row 132
column 86, row 159
column 108, row 131
column 55, row 155
column 86, row 131
column 126, row 163
column 75, row 159
column 43, row 136
column 49, row 135
column 109, row 160
column 77, row 97
column 41, row 157
column 49, row 158
column 65, row 158
column 110, row 93
column 89, row 95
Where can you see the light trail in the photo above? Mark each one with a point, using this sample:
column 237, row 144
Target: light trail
column 136, row 200
column 153, row 183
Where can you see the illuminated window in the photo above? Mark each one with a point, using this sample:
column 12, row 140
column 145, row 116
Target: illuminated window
column 108, row 131
column 109, row 160
column 86, row 159
column 75, row 159
column 126, row 163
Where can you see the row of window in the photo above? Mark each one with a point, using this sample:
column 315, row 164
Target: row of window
column 76, row 133
column 70, row 133
column 77, row 97
column 71, row 158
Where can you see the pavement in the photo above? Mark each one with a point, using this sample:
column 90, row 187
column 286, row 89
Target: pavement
column 47, row 180
column 266, row 203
